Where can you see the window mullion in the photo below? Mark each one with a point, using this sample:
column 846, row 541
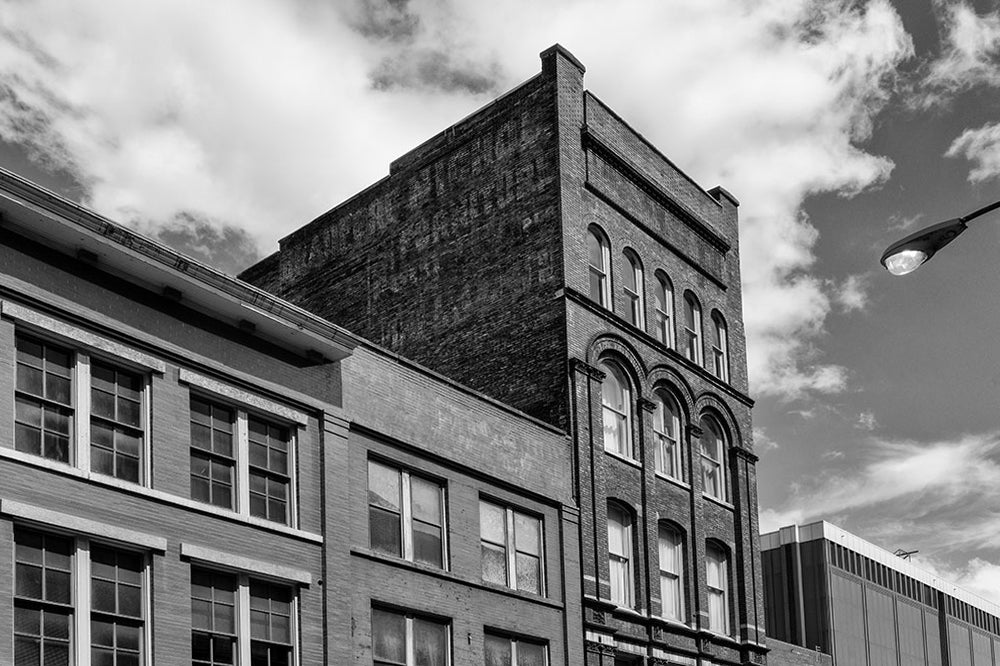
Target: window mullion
column 80, row 449
column 147, row 611
column 511, row 549
column 407, row 522
column 242, row 464
column 243, row 620
column 145, row 422
column 82, row 603
column 411, row 653
column 293, row 488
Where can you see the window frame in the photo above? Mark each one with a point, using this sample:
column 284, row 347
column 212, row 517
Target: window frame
column 601, row 273
column 240, row 497
column 510, row 544
column 242, row 635
column 717, row 558
column 661, row 436
column 622, row 418
column 677, row 575
column 515, row 641
column 80, row 408
column 634, row 287
column 626, row 579
column 720, row 347
column 710, row 424
column 406, row 476
column 663, row 311
column 80, row 606
column 410, row 619
column 693, row 350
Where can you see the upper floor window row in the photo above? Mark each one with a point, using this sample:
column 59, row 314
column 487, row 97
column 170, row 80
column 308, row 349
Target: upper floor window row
column 691, row 342
column 92, row 411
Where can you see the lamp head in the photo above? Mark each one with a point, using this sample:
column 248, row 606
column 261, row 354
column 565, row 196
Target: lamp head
column 907, row 255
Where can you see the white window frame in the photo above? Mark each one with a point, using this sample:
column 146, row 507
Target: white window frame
column 514, row 641
column 80, row 593
column 717, row 560
column 635, row 293
column 510, row 546
column 664, row 307
column 406, row 511
column 622, row 445
column 241, row 454
column 692, row 329
column 242, row 611
column 603, row 272
column 671, row 577
column 663, row 439
column 709, row 462
column 720, row 348
column 620, row 576
column 80, row 387
column 410, row 618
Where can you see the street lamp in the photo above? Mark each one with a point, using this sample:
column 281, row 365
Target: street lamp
column 907, row 255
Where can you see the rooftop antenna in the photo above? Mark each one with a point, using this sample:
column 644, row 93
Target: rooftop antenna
column 905, row 554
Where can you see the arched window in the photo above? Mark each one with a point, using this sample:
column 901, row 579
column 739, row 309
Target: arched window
column 717, row 575
column 600, row 267
column 620, row 554
column 713, row 448
column 720, row 347
column 667, row 427
column 671, row 573
column 616, row 400
column 664, row 311
column 692, row 328
column 634, row 288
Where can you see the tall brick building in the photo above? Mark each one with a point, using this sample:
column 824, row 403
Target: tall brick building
column 544, row 253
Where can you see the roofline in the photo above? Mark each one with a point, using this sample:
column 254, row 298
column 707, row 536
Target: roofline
column 257, row 304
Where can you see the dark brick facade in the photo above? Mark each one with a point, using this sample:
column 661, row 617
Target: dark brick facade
column 471, row 257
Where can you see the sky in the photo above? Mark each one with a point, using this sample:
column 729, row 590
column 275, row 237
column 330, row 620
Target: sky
column 840, row 126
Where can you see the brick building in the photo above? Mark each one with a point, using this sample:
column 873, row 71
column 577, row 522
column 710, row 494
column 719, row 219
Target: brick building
column 197, row 472
column 831, row 591
column 544, row 253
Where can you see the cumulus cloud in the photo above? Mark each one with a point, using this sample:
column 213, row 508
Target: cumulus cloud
column 262, row 114
column 852, row 294
column 762, row 442
column 981, row 146
column 977, row 576
column 970, row 55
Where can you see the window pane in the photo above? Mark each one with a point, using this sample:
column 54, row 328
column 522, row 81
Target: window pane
column 530, row 654
column 426, row 500
column 427, row 543
column 430, row 643
column 526, row 537
column 383, row 486
column 494, row 564
column 498, row 652
column 385, row 531
column 528, row 573
column 389, row 636
column 492, row 523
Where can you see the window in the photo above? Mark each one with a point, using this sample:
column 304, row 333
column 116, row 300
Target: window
column 240, row 461
column 600, row 267
column 511, row 547
column 666, row 431
column 616, row 401
column 504, row 651
column 664, row 311
column 634, row 288
column 109, row 437
column 671, row 573
column 713, row 446
column 403, row 639
column 720, row 347
column 620, row 555
column 692, row 328
column 48, row 617
column 240, row 620
column 717, row 573
column 405, row 515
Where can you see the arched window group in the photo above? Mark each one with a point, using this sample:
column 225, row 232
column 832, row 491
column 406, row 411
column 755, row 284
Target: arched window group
column 689, row 341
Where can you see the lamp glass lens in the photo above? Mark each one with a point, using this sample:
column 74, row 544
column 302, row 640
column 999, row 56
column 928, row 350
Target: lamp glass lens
column 905, row 262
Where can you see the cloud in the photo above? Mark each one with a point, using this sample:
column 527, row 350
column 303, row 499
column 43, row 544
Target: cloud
column 981, row 146
column 902, row 223
column 762, row 443
column 852, row 294
column 970, row 56
column 867, row 421
column 225, row 247
column 262, row 114
column 977, row 576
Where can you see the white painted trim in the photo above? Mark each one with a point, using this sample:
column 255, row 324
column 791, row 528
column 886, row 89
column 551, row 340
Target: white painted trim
column 143, row 491
column 28, row 316
column 239, row 395
column 79, row 525
column 246, row 564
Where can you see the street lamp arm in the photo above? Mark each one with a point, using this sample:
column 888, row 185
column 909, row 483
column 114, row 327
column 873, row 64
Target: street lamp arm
column 907, row 255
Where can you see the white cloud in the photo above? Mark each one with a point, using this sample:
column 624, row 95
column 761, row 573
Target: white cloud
column 852, row 294
column 265, row 113
column 867, row 421
column 977, row 576
column 762, row 443
column 970, row 55
column 982, row 146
